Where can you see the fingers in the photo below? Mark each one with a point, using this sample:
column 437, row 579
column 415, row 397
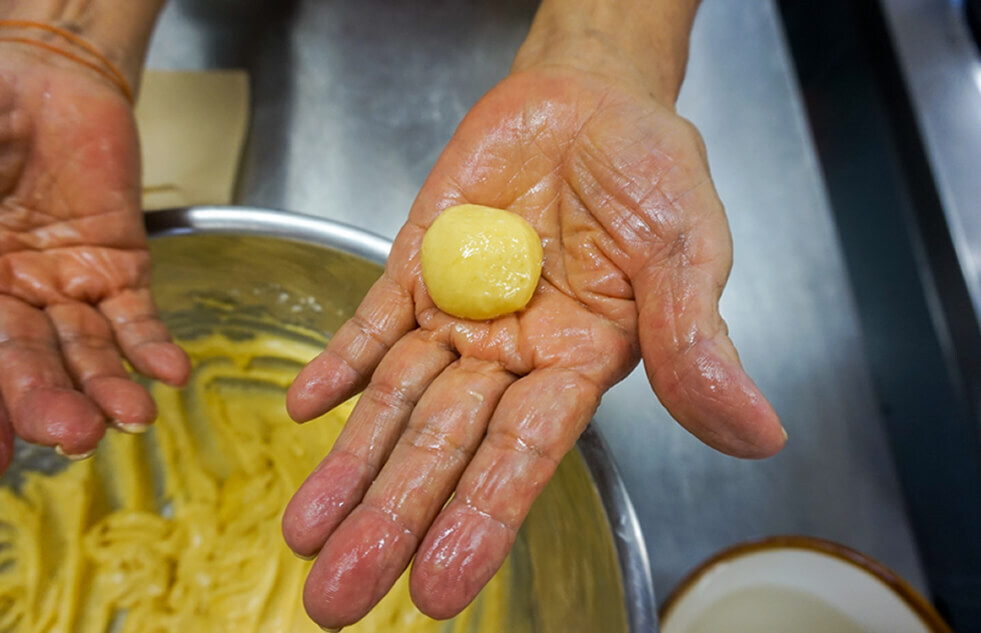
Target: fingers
column 6, row 440
column 690, row 360
column 419, row 476
column 537, row 421
column 44, row 407
column 345, row 367
column 144, row 339
column 340, row 481
column 92, row 359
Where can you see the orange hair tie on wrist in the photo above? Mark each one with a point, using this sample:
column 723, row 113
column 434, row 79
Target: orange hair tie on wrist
column 107, row 69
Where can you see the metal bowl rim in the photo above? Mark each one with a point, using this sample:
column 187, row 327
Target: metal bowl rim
column 634, row 564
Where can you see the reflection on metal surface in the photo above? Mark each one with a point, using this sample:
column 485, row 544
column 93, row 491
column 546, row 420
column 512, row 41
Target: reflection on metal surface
column 942, row 70
column 270, row 223
column 635, row 569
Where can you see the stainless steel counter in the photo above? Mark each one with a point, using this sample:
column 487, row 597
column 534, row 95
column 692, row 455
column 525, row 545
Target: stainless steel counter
column 354, row 101
column 941, row 68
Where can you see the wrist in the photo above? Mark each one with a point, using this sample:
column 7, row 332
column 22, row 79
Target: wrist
column 119, row 30
column 643, row 42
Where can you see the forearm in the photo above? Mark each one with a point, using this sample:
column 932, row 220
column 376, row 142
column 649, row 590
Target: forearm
column 643, row 40
column 120, row 29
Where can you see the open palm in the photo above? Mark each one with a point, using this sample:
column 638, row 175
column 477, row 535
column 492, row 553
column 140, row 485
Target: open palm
column 637, row 252
column 74, row 264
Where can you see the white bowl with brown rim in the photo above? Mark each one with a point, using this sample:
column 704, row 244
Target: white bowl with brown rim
column 799, row 584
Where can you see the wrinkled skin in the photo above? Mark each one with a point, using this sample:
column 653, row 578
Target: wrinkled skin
column 74, row 265
column 637, row 252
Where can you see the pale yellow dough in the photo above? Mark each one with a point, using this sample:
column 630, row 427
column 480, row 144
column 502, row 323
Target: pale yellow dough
column 178, row 530
column 480, row 262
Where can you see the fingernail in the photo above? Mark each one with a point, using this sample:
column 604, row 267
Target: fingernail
column 306, row 558
column 133, row 429
column 784, row 433
column 75, row 458
column 337, row 630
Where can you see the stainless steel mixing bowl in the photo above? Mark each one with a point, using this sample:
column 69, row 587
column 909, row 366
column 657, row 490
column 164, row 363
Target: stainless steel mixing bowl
column 579, row 563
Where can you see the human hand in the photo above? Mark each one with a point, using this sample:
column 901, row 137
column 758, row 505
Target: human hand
column 74, row 264
column 637, row 252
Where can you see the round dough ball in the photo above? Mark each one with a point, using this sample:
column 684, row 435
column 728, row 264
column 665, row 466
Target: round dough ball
column 480, row 262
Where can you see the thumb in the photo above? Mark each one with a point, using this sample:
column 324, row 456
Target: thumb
column 690, row 361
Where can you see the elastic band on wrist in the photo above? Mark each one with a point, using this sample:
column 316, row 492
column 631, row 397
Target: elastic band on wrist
column 105, row 67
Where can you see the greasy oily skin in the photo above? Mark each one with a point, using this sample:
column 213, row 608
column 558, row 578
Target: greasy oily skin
column 74, row 265
column 618, row 188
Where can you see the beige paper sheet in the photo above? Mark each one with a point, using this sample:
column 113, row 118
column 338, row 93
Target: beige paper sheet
column 192, row 129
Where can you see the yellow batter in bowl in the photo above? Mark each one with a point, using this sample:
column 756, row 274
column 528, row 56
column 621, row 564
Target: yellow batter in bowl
column 178, row 530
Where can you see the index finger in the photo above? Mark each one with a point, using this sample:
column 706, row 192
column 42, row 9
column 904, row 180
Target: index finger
column 345, row 367
column 537, row 422
column 690, row 360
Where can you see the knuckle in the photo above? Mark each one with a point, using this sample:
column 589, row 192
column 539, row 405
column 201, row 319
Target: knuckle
column 439, row 445
column 389, row 396
column 531, row 448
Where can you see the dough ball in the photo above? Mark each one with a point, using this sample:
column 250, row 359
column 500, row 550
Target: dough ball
column 479, row 262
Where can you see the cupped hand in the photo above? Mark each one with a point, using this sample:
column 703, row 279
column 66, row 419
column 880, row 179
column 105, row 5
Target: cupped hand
column 74, row 264
column 462, row 423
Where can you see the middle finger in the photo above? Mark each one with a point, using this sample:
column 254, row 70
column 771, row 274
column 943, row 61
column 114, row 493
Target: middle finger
column 535, row 425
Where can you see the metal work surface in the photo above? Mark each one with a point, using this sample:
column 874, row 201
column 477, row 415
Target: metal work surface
column 922, row 340
column 941, row 67
column 354, row 101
